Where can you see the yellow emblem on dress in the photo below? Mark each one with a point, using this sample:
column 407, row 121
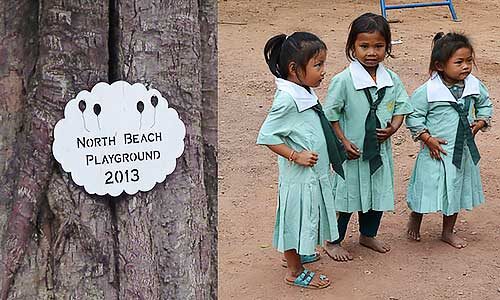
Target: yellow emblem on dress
column 390, row 106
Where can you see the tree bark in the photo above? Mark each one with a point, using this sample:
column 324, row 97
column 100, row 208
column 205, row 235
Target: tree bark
column 209, row 88
column 17, row 52
column 161, row 46
column 58, row 241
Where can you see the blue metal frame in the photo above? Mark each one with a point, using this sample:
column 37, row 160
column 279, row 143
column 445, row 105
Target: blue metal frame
column 448, row 3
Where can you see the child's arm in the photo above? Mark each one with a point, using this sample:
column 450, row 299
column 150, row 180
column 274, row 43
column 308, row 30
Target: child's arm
column 434, row 145
column 304, row 158
column 334, row 109
column 478, row 125
column 278, row 124
column 417, row 123
column 393, row 126
column 484, row 110
column 351, row 149
column 402, row 107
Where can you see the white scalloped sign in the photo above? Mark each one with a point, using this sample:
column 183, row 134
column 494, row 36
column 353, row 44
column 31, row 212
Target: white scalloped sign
column 117, row 138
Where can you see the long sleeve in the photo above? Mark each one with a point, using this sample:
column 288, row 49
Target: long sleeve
column 483, row 107
column 416, row 121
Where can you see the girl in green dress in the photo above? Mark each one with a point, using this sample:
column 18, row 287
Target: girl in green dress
column 297, row 130
column 366, row 104
column 450, row 108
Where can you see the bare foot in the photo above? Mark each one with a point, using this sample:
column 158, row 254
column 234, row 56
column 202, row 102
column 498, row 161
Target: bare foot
column 453, row 240
column 374, row 244
column 336, row 252
column 447, row 234
column 318, row 281
column 413, row 227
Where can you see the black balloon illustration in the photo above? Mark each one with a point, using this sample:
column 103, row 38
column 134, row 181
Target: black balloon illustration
column 154, row 102
column 140, row 109
column 82, row 105
column 140, row 106
column 97, row 111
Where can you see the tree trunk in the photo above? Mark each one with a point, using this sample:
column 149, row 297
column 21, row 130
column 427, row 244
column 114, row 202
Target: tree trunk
column 61, row 243
column 209, row 89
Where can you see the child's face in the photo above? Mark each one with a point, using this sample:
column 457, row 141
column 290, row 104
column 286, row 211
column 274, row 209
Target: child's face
column 369, row 49
column 458, row 66
column 314, row 72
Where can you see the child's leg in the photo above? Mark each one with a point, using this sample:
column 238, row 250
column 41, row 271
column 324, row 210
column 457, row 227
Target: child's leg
column 295, row 268
column 333, row 249
column 448, row 236
column 293, row 262
column 413, row 227
column 369, row 223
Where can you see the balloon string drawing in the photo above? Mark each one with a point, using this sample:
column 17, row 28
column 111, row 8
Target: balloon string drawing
column 154, row 102
column 82, row 106
column 140, row 109
column 97, row 111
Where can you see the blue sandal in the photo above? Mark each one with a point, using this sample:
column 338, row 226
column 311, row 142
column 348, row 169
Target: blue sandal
column 305, row 278
column 304, row 259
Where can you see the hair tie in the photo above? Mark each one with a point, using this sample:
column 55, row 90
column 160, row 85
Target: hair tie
column 439, row 36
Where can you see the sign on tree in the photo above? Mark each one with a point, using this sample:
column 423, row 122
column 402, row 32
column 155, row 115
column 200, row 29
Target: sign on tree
column 118, row 137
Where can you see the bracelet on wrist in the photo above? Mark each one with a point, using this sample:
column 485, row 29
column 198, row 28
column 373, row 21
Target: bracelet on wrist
column 290, row 157
column 426, row 139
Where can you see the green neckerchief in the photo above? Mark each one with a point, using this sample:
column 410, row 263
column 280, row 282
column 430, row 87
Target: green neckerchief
column 371, row 146
column 464, row 132
column 336, row 152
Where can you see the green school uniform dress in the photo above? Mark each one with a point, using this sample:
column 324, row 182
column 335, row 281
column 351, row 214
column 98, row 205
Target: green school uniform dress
column 305, row 215
column 439, row 185
column 347, row 103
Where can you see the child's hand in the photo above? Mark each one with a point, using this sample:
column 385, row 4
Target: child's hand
column 476, row 126
column 306, row 158
column 351, row 150
column 385, row 133
column 435, row 148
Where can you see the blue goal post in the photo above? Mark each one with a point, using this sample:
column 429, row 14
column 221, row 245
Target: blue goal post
column 384, row 7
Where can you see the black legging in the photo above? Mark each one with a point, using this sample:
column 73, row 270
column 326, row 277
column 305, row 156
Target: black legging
column 368, row 223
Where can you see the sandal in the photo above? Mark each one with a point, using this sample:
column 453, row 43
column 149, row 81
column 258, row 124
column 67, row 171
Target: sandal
column 304, row 259
column 305, row 278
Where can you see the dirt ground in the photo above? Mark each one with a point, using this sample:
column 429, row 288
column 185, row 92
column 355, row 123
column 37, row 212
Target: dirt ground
column 249, row 268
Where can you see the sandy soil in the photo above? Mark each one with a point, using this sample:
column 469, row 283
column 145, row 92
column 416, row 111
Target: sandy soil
column 249, row 268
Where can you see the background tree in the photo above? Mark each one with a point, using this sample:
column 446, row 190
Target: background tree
column 58, row 242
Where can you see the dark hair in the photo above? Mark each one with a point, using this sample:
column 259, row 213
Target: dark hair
column 445, row 45
column 368, row 22
column 299, row 47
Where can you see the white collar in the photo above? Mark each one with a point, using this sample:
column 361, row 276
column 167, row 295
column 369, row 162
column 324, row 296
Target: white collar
column 303, row 99
column 362, row 79
column 438, row 91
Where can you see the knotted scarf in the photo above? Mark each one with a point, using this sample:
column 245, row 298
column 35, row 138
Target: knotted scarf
column 464, row 134
column 336, row 152
column 371, row 146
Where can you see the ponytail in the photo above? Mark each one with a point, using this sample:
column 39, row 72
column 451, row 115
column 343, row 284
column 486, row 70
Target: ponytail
column 438, row 36
column 272, row 52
